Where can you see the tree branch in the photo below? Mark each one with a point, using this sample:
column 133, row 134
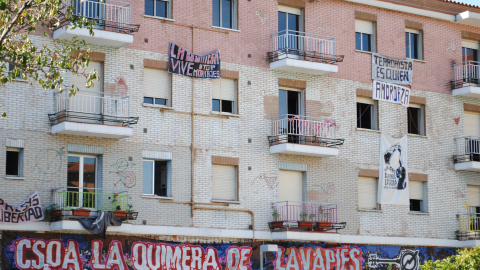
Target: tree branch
column 9, row 28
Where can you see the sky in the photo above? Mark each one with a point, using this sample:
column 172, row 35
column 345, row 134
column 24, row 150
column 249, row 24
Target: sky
column 474, row 2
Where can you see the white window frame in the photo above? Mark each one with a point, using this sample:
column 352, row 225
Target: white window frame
column 234, row 184
column 421, row 120
column 235, row 97
column 362, row 28
column 233, row 13
column 418, row 46
column 20, row 161
column 168, row 180
column 375, row 189
column 374, row 111
column 81, row 167
column 169, row 9
column 423, row 198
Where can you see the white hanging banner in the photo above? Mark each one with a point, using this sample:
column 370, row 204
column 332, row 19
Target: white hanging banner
column 393, row 182
column 391, row 93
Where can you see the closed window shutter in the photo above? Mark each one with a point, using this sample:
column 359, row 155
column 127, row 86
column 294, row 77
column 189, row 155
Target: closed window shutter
column 367, row 193
column 291, row 186
column 472, row 124
column 364, row 27
column 224, row 89
column 224, row 183
column 148, row 177
column 471, row 44
column 473, row 196
column 365, row 100
column 156, row 83
column 410, row 30
column 416, row 190
column 79, row 80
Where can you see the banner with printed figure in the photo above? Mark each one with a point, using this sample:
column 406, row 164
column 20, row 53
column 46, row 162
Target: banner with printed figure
column 393, row 181
column 30, row 210
column 184, row 63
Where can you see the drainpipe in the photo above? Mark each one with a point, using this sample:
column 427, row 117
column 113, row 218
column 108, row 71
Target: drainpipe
column 192, row 147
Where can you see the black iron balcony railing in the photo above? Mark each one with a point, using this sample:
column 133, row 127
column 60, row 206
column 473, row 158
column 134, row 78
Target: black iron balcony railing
column 467, row 149
column 466, row 73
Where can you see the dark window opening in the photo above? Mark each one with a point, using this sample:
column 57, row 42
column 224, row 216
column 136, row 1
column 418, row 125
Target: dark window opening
column 155, row 101
column 412, row 45
column 365, row 116
column 161, row 178
column 414, row 116
column 13, row 163
column 222, row 106
column 415, row 205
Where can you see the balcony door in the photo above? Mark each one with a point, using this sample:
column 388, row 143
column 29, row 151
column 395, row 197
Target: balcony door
column 81, row 181
column 472, row 128
column 291, row 188
column 473, row 202
column 87, row 105
column 471, row 70
column 90, row 9
column 290, row 108
column 289, row 27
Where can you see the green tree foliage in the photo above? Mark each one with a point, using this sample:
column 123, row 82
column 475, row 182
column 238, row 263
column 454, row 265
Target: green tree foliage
column 20, row 20
column 466, row 259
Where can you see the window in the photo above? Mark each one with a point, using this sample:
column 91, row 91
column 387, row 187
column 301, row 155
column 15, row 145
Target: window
column 14, row 162
column 470, row 50
column 11, row 68
column 156, row 177
column 415, row 118
column 158, row 8
column 413, row 44
column 224, row 95
column 156, row 87
column 364, row 36
column 224, row 13
column 367, row 193
column 224, row 182
column 417, row 196
column 366, row 113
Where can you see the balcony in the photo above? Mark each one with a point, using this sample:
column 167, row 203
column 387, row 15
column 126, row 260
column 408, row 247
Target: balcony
column 466, row 79
column 113, row 23
column 303, row 135
column 469, row 226
column 74, row 202
column 96, row 114
column 305, row 216
column 467, row 157
column 304, row 53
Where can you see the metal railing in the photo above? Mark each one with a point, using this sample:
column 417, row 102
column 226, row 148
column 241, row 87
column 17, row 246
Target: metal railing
column 301, row 129
column 290, row 211
column 466, row 72
column 68, row 198
column 88, row 106
column 467, row 149
column 311, row 47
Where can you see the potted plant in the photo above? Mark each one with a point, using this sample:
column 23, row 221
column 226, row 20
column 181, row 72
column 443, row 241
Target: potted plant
column 119, row 213
column 324, row 224
column 303, row 223
column 51, row 212
column 81, row 212
column 132, row 215
column 276, row 223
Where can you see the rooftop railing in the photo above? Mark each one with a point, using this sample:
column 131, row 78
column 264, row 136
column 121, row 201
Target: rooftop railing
column 109, row 14
column 290, row 211
column 93, row 107
column 319, row 131
column 305, row 46
column 467, row 72
column 467, row 149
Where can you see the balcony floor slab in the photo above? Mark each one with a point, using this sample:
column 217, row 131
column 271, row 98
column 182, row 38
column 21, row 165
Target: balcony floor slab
column 94, row 130
column 101, row 37
column 304, row 66
column 304, row 150
column 467, row 91
column 472, row 166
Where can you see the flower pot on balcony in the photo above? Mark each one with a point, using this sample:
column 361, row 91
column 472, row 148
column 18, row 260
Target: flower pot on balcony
column 120, row 214
column 55, row 213
column 305, row 224
column 81, row 212
column 322, row 226
column 275, row 224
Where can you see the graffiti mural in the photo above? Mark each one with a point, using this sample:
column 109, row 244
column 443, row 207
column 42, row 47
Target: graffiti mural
column 127, row 178
column 22, row 250
column 48, row 162
column 271, row 181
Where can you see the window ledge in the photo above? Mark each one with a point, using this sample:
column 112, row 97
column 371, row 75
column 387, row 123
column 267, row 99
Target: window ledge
column 226, row 202
column 157, row 197
column 158, row 106
column 419, row 213
column 367, row 52
column 417, row 60
column 14, row 178
column 225, row 114
column 159, row 18
column 370, row 210
column 369, row 130
column 418, row 136
column 228, row 29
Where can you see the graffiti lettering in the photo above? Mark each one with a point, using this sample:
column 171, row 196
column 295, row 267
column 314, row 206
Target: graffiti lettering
column 29, row 210
column 51, row 254
column 320, row 258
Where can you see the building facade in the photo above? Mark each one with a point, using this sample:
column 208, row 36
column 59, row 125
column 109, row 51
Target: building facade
column 290, row 132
